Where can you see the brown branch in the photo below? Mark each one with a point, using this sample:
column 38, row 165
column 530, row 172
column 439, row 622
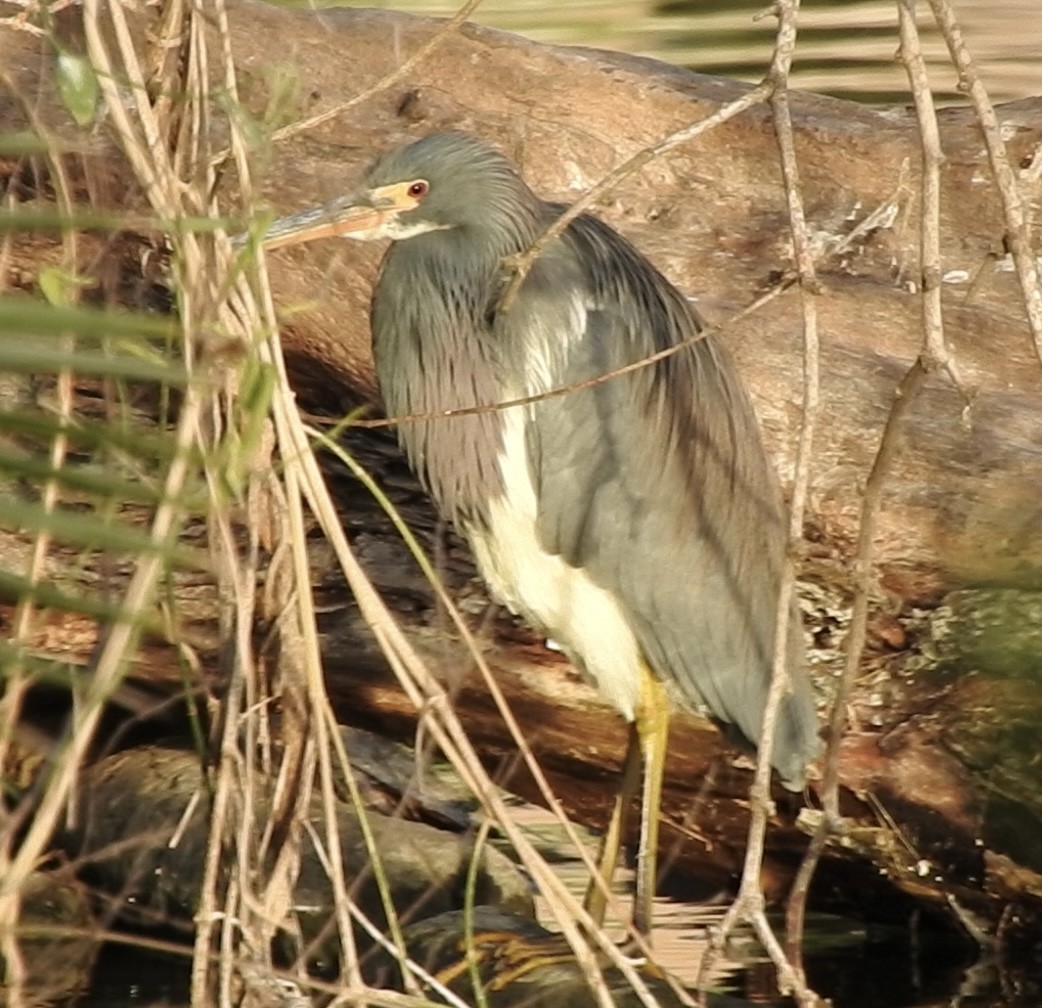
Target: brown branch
column 1017, row 232
column 934, row 353
column 520, row 265
column 811, row 406
column 749, row 903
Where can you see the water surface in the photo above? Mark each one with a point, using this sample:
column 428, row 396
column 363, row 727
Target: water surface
column 847, row 48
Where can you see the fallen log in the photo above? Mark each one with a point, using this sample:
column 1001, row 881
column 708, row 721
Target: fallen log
column 961, row 508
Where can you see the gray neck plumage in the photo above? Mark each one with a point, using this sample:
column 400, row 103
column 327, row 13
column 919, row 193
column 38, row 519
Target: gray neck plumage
column 434, row 347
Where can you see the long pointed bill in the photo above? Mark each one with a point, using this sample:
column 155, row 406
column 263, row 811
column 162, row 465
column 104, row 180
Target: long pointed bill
column 365, row 217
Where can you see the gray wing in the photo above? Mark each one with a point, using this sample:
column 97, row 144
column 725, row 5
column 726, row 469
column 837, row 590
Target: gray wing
column 658, row 485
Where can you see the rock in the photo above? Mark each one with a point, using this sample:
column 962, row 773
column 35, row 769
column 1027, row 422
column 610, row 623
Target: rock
column 55, row 938
column 142, row 831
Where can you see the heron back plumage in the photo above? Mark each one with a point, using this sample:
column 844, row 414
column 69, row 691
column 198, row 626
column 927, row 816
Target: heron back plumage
column 634, row 519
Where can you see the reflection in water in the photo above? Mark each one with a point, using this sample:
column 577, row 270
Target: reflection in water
column 856, row 965
column 847, row 48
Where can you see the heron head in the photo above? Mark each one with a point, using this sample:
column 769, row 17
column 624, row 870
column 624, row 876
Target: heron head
column 441, row 182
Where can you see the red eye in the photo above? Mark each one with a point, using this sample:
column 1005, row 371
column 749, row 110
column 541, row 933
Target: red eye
column 418, row 189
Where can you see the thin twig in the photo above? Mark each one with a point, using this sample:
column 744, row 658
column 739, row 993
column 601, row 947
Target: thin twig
column 934, row 354
column 875, row 219
column 749, row 903
column 1016, row 218
column 720, row 329
column 522, row 264
column 389, row 80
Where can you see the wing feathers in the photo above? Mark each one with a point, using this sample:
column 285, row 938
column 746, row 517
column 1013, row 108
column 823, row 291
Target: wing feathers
column 656, row 482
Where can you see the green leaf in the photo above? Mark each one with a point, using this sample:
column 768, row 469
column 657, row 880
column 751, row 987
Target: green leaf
column 78, row 87
column 34, row 356
column 86, row 529
column 32, row 315
column 59, row 286
column 93, row 480
column 52, row 671
column 25, row 143
column 255, row 392
column 88, row 434
column 17, row 588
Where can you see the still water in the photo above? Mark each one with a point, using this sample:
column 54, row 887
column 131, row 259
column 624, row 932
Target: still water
column 856, row 965
column 853, row 964
column 847, row 47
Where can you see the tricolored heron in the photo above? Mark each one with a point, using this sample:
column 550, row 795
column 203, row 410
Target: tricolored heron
column 635, row 521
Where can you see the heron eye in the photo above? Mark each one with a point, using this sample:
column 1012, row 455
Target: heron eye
column 418, row 189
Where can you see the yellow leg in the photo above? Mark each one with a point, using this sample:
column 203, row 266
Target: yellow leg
column 608, row 856
column 646, row 750
column 652, row 728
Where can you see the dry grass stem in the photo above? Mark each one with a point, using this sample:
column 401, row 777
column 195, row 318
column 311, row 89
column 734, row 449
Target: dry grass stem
column 17, row 683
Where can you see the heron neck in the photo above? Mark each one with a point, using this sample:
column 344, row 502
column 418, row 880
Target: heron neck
column 435, row 350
